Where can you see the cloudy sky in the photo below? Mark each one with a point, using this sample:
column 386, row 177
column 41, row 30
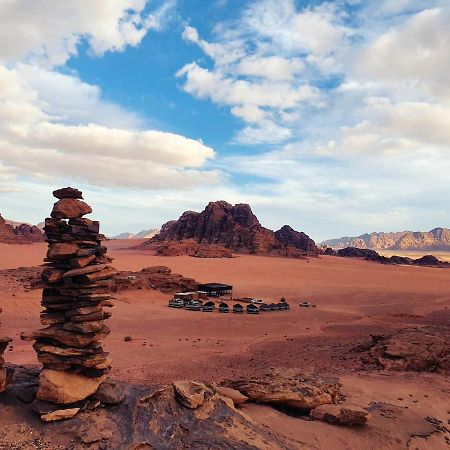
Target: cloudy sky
column 331, row 116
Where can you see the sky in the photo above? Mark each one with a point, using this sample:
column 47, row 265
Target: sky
column 330, row 116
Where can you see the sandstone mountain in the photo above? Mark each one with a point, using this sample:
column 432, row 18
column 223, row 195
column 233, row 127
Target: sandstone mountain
column 236, row 228
column 144, row 234
column 18, row 233
column 437, row 239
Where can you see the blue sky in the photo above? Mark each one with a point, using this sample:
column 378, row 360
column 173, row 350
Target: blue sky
column 331, row 116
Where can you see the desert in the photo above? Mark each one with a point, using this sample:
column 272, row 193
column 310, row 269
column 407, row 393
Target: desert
column 224, row 225
column 355, row 299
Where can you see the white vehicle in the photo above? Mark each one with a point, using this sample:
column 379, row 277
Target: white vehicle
column 256, row 301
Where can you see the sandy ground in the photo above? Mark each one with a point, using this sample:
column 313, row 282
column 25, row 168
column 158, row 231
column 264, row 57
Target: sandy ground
column 354, row 299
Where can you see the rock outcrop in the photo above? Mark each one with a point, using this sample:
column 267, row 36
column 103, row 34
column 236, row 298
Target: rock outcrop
column 437, row 239
column 157, row 277
column 372, row 255
column 19, row 234
column 341, row 414
column 77, row 280
column 5, row 373
column 235, row 228
column 297, row 392
column 150, row 416
column 191, row 394
column 410, row 350
column 192, row 248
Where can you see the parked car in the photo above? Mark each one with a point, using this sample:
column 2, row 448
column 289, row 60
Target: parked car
column 256, row 301
column 193, row 306
column 176, row 303
column 224, row 308
column 238, row 309
column 209, row 307
column 264, row 307
column 252, row 309
column 273, row 307
column 307, row 305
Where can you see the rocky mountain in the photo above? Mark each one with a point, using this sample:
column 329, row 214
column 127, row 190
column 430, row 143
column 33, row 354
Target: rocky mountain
column 437, row 239
column 13, row 232
column 144, row 234
column 236, row 228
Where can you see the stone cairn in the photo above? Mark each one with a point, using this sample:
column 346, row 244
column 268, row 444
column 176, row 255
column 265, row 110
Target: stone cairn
column 77, row 280
column 5, row 373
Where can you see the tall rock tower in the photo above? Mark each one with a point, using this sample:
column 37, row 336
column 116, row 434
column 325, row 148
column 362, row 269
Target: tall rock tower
column 77, row 281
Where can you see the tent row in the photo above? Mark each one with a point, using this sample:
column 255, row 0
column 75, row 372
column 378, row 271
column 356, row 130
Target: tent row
column 210, row 306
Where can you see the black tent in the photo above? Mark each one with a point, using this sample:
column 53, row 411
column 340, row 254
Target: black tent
column 216, row 289
column 237, row 308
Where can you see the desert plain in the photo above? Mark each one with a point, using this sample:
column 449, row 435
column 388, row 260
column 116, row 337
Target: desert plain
column 355, row 299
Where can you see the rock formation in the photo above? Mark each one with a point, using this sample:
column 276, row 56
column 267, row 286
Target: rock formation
column 437, row 239
column 77, row 280
column 19, row 234
column 236, row 228
column 296, row 392
column 192, row 248
column 5, row 373
column 156, row 277
column 144, row 234
column 341, row 414
column 372, row 255
column 410, row 350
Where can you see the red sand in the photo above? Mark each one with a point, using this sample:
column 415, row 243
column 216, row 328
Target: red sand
column 354, row 299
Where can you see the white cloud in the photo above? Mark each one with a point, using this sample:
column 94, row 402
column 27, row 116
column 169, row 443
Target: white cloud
column 416, row 52
column 266, row 65
column 36, row 142
column 54, row 126
column 271, row 67
column 315, row 30
column 48, row 31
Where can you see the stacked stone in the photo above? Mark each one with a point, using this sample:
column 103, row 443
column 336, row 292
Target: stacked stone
column 77, row 281
column 5, row 374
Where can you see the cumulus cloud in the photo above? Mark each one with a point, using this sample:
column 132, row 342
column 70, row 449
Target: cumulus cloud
column 49, row 31
column 373, row 144
column 264, row 65
column 35, row 141
column 55, row 126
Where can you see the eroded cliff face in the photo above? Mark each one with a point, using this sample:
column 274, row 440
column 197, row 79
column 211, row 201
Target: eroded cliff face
column 234, row 227
column 436, row 239
column 22, row 233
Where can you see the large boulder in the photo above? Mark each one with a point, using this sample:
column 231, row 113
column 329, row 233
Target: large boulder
column 64, row 387
column 191, row 394
column 341, row 414
column 237, row 397
column 298, row 392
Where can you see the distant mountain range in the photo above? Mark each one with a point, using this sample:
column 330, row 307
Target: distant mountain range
column 144, row 234
column 437, row 239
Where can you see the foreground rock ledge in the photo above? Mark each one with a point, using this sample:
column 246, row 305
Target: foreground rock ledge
column 296, row 392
